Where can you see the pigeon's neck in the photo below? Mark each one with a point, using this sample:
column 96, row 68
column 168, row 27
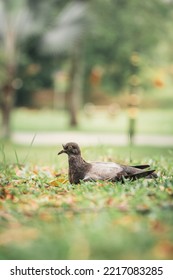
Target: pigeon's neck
column 76, row 161
column 77, row 168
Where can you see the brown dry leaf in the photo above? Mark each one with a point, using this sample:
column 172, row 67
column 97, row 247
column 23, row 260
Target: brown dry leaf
column 5, row 193
column 158, row 227
column 163, row 249
column 46, row 216
column 169, row 191
column 110, row 201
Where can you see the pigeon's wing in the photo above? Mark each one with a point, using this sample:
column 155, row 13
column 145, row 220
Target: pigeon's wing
column 103, row 171
column 110, row 171
column 143, row 166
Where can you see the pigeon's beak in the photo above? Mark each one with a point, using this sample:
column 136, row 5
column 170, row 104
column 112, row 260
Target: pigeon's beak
column 61, row 152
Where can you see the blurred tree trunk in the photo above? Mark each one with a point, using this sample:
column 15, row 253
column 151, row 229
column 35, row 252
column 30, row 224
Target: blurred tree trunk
column 67, row 36
column 74, row 92
column 16, row 24
column 7, row 102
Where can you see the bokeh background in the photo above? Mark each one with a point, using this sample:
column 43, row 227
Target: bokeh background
column 86, row 65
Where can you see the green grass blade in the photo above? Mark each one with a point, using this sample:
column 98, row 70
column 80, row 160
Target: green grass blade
column 30, row 146
column 2, row 150
column 17, row 158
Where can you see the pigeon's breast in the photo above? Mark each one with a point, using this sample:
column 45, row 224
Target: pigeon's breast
column 103, row 171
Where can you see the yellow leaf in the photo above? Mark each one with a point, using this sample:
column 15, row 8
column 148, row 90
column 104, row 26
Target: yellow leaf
column 58, row 181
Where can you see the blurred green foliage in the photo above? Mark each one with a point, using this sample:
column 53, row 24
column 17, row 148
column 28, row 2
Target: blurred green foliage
column 116, row 31
column 103, row 47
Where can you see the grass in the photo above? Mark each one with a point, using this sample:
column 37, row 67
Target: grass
column 153, row 121
column 42, row 216
column 40, row 155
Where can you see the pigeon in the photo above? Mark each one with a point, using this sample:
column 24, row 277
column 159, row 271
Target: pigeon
column 80, row 170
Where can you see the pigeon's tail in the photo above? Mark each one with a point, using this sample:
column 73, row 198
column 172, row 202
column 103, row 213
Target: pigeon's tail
column 152, row 176
column 144, row 174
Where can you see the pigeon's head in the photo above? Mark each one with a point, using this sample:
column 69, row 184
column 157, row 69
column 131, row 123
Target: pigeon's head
column 70, row 149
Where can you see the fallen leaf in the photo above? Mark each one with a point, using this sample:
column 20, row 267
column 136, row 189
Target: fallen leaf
column 58, row 181
column 6, row 194
column 110, row 201
column 46, row 216
column 158, row 227
column 163, row 250
column 169, row 191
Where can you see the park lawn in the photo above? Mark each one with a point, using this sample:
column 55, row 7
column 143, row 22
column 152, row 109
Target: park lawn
column 150, row 121
column 42, row 216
